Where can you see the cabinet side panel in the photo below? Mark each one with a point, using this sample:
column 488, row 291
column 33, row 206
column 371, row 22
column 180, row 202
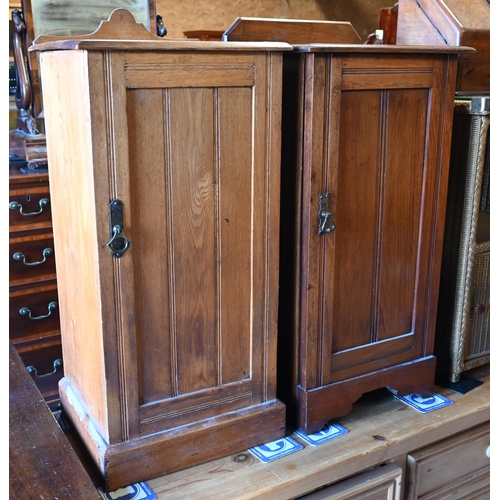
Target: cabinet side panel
column 402, row 205
column 151, row 244
column 71, row 158
column 235, row 222
column 355, row 219
column 194, row 247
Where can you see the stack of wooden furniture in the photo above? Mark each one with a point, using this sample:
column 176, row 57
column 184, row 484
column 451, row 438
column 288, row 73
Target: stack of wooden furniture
column 463, row 323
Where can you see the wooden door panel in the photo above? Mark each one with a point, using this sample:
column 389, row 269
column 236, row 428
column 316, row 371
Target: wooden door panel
column 402, row 206
column 194, row 315
column 151, row 240
column 235, row 172
column 352, row 265
column 193, row 237
column 379, row 199
column 170, row 70
column 369, row 357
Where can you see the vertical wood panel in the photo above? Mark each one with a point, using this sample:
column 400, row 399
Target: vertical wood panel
column 406, row 123
column 259, row 229
column 312, row 246
column 150, row 242
column 332, row 146
column 355, row 218
column 235, row 122
column 193, row 195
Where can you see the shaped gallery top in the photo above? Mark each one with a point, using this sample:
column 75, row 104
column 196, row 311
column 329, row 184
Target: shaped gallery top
column 122, row 32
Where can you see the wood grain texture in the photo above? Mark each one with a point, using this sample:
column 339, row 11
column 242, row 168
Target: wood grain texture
column 77, row 286
column 458, row 24
column 28, row 198
column 410, row 15
column 42, row 463
column 460, row 21
column 174, row 70
column 293, row 31
column 337, row 398
column 22, row 328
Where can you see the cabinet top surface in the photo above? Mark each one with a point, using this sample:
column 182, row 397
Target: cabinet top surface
column 382, row 49
column 44, row 44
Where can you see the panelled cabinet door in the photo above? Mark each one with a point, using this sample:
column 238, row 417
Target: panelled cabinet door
column 199, row 226
column 373, row 188
column 381, row 180
column 166, row 203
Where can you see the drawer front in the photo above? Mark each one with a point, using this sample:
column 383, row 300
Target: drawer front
column 31, row 258
column 46, row 369
column 29, row 209
column 33, row 314
column 380, row 483
column 454, row 468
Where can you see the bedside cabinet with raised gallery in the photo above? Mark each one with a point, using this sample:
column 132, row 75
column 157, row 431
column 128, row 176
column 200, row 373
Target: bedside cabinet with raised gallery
column 164, row 170
column 366, row 145
column 34, row 327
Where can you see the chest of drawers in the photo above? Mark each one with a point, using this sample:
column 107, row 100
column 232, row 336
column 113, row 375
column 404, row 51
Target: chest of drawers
column 34, row 327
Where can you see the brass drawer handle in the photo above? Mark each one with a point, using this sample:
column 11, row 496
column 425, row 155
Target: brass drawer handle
column 33, row 371
column 27, row 312
column 20, row 256
column 14, row 205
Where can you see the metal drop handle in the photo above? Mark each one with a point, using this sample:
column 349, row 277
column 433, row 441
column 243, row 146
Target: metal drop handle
column 119, row 243
column 33, row 371
column 326, row 224
column 20, row 256
column 14, row 205
column 24, row 311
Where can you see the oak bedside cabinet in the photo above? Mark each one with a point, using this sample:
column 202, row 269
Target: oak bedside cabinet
column 366, row 145
column 165, row 169
column 370, row 180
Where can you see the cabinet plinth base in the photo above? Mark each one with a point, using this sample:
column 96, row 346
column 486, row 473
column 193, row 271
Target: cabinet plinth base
column 153, row 455
column 317, row 406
